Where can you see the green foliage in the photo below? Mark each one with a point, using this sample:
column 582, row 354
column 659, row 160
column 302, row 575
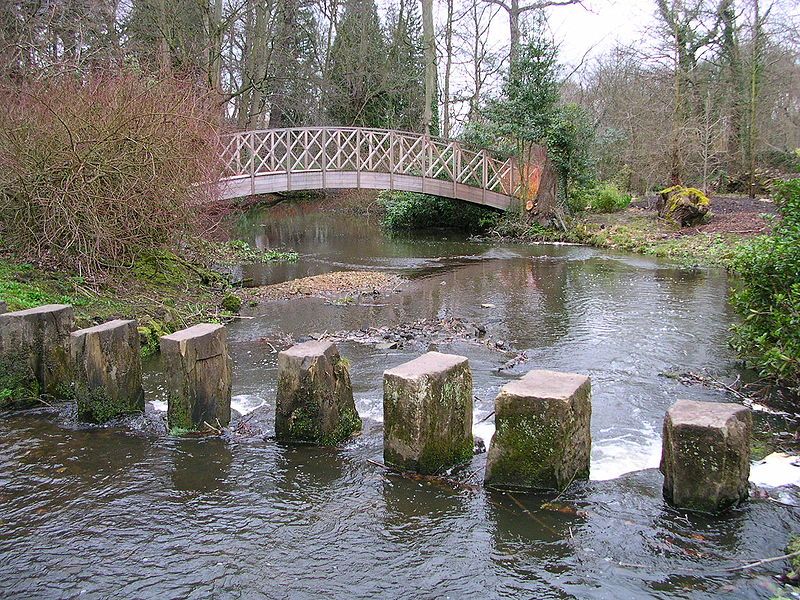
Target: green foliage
column 569, row 140
column 528, row 113
column 357, row 73
column 604, row 197
column 231, row 303
column 769, row 298
column 409, row 210
column 21, row 287
column 242, row 251
column 405, row 102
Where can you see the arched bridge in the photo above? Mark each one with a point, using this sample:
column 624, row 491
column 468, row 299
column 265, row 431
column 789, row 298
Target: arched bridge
column 307, row 158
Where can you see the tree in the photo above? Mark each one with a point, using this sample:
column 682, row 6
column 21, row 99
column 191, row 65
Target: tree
column 431, row 114
column 690, row 27
column 405, row 102
column 516, row 11
column 357, row 76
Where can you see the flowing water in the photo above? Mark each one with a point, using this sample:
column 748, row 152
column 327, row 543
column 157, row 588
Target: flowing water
column 111, row 513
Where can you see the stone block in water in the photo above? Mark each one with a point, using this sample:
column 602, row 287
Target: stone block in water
column 108, row 371
column 35, row 355
column 427, row 413
column 705, row 457
column 198, row 372
column 315, row 396
column 543, row 437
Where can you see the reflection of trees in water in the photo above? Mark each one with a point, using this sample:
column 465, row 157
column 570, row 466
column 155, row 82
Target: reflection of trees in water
column 89, row 454
column 306, row 473
column 528, row 296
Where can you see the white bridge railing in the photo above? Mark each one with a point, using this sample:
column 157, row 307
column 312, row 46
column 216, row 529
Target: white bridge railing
column 274, row 160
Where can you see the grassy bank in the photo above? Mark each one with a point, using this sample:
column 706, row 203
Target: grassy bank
column 632, row 230
column 163, row 291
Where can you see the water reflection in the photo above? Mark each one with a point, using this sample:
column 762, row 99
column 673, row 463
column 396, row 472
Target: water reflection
column 98, row 512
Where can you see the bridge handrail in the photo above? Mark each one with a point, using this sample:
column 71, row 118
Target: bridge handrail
column 253, row 153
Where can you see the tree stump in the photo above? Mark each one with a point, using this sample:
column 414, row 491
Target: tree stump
column 685, row 206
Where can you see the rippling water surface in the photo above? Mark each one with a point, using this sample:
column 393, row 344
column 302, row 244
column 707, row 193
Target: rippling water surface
column 108, row 513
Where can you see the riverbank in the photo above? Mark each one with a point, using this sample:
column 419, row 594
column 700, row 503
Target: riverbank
column 639, row 229
column 162, row 290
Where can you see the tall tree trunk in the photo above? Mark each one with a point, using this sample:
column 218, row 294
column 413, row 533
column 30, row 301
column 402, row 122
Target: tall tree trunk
column 429, row 43
column 448, row 66
column 756, row 65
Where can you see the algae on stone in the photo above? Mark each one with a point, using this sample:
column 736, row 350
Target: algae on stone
column 543, row 437
column 108, row 371
column 34, row 355
column 427, row 413
column 315, row 396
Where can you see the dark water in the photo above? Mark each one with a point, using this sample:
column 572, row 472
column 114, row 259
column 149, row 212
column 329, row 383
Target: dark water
column 105, row 513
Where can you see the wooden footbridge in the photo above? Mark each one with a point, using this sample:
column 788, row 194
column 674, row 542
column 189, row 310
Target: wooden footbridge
column 308, row 158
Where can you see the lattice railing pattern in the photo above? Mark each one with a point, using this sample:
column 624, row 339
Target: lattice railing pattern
column 321, row 149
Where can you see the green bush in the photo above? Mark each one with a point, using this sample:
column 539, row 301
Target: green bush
column 769, row 298
column 601, row 197
column 409, row 210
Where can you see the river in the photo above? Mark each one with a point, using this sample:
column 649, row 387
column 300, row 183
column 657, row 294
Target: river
column 110, row 513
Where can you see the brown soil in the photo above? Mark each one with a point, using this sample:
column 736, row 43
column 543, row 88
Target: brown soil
column 327, row 285
column 729, row 214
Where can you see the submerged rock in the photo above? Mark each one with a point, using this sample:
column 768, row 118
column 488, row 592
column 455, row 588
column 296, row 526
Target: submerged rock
column 198, row 372
column 108, row 371
column 543, row 436
column 315, row 396
column 706, row 455
column 427, row 412
column 35, row 355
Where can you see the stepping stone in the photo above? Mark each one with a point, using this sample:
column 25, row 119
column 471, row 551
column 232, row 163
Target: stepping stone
column 705, row 455
column 427, row 413
column 35, row 355
column 315, row 397
column 198, row 369
column 108, row 371
column 543, row 437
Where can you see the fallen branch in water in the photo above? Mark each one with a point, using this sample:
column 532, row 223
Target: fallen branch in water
column 764, row 561
column 428, row 478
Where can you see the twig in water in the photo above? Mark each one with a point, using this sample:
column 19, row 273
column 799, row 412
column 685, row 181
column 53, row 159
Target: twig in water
column 211, row 427
column 486, row 418
column 764, row 561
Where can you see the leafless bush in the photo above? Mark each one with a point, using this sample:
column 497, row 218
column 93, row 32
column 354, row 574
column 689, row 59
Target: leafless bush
column 93, row 173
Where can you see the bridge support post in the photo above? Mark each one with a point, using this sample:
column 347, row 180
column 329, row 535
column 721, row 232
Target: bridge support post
column 198, row 370
column 427, row 412
column 543, row 438
column 315, row 396
column 705, row 456
column 34, row 354
column 108, row 371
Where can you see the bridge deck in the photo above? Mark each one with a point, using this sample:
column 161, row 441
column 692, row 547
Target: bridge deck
column 277, row 160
